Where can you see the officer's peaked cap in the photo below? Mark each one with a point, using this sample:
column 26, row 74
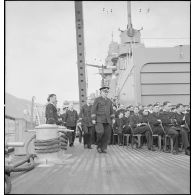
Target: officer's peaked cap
column 105, row 87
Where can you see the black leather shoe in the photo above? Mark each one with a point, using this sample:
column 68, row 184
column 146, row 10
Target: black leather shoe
column 187, row 152
column 152, row 149
column 90, row 147
column 167, row 151
column 175, row 152
column 104, row 151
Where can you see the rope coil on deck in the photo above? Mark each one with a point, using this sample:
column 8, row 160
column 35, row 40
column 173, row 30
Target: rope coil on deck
column 47, row 146
column 46, row 142
column 63, row 140
column 15, row 168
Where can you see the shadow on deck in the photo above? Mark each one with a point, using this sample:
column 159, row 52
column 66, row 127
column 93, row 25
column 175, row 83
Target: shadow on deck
column 122, row 170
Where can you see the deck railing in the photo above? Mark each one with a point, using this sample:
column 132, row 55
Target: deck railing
column 16, row 130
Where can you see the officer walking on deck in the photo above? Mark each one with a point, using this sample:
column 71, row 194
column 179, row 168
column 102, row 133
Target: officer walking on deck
column 71, row 118
column 102, row 117
column 87, row 126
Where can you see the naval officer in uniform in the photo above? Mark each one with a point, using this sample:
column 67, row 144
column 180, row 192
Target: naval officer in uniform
column 51, row 110
column 87, row 126
column 102, row 115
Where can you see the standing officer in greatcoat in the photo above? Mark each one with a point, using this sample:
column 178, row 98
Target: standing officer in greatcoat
column 52, row 117
column 102, row 116
column 86, row 121
column 51, row 110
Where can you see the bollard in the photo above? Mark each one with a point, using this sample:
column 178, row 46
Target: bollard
column 47, row 144
column 9, row 157
column 14, row 144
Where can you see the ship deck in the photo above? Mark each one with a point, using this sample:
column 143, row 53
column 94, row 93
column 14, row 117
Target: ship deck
column 122, row 170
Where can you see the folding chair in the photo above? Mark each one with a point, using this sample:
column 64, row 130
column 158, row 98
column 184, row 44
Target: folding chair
column 127, row 136
column 165, row 139
column 115, row 135
column 155, row 135
column 135, row 135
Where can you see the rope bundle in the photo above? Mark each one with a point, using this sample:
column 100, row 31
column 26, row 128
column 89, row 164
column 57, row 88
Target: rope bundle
column 47, row 146
column 63, row 140
column 15, row 168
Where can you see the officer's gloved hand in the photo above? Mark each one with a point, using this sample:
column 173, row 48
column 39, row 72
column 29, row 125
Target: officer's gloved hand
column 94, row 122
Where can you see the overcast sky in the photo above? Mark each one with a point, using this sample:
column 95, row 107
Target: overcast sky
column 41, row 41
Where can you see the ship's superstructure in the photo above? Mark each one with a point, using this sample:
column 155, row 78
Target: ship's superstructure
column 146, row 75
column 135, row 74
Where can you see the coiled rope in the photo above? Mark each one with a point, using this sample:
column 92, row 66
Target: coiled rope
column 63, row 140
column 15, row 168
column 47, row 146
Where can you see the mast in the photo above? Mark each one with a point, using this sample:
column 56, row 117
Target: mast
column 80, row 52
column 129, row 14
column 129, row 26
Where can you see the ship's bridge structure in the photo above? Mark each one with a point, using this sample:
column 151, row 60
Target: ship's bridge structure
column 142, row 75
column 135, row 74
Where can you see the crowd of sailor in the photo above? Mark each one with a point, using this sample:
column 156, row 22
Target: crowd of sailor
column 143, row 124
column 170, row 122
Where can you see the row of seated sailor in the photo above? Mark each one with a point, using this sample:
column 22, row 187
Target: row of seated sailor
column 165, row 121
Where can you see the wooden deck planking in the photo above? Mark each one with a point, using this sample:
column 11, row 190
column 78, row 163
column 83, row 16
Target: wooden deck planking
column 121, row 170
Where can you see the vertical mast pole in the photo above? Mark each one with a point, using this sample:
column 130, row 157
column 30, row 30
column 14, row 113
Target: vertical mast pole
column 80, row 52
column 129, row 14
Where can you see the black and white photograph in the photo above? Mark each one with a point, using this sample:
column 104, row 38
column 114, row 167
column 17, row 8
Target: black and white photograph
column 97, row 97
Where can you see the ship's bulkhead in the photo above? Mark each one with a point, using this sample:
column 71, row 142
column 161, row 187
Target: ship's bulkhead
column 157, row 75
column 165, row 81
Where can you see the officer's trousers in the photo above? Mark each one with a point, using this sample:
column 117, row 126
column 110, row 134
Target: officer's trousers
column 80, row 134
column 71, row 135
column 103, row 138
column 126, row 130
column 87, row 137
column 145, row 130
column 184, row 136
column 172, row 131
column 93, row 136
column 120, row 135
column 157, row 130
